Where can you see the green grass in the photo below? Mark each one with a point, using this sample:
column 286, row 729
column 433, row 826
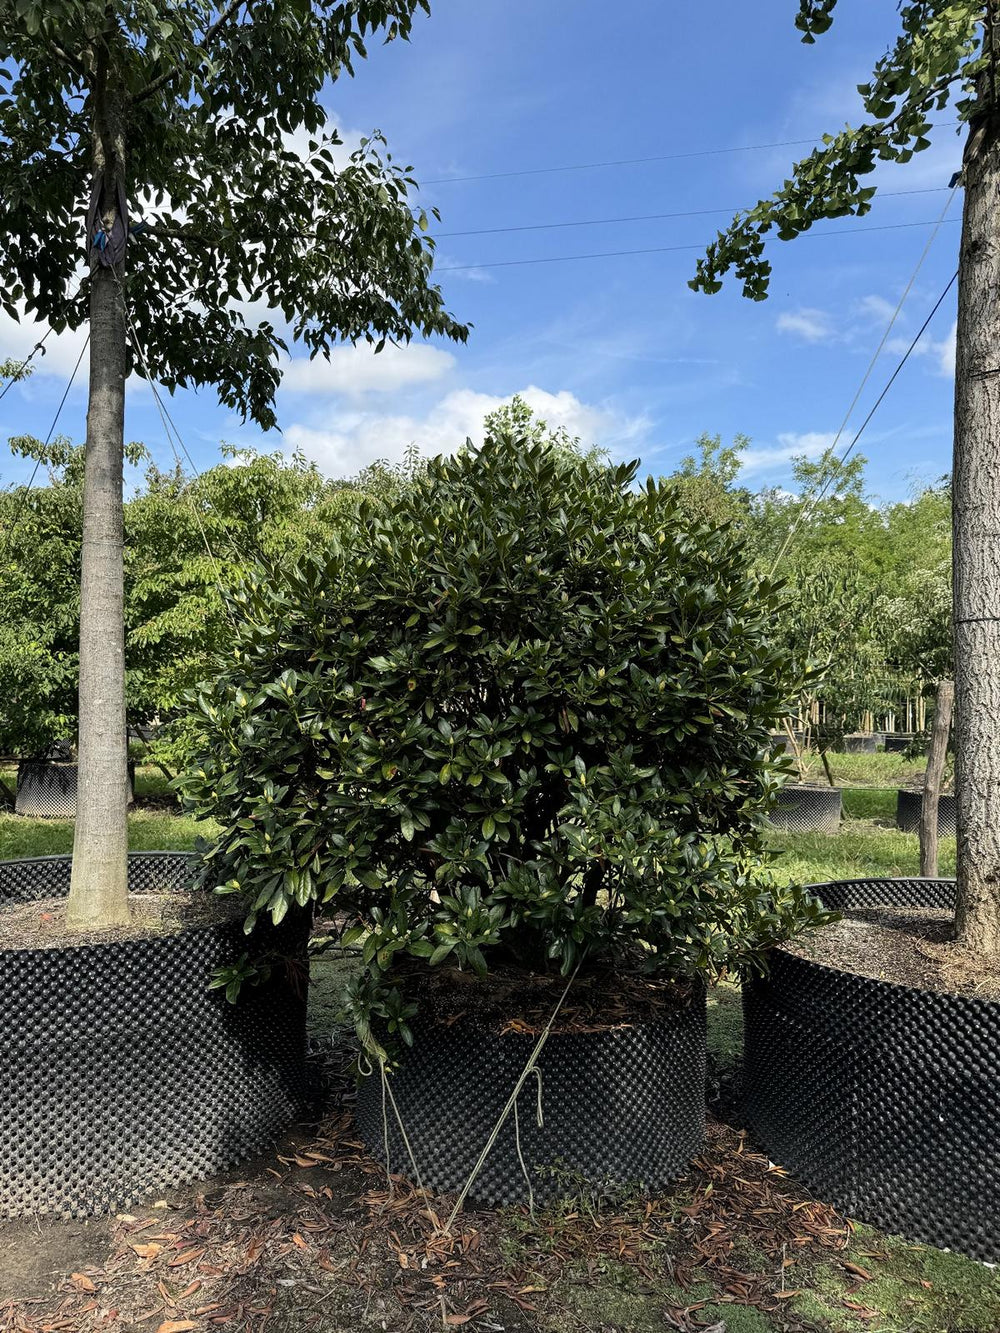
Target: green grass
column 912, row 1289
column 873, row 770
column 148, row 831
column 155, row 822
column 870, row 803
column 725, row 1024
column 862, row 849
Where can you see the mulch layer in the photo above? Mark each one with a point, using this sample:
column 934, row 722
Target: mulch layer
column 41, row 923
column 513, row 1000
column 904, row 945
column 319, row 1239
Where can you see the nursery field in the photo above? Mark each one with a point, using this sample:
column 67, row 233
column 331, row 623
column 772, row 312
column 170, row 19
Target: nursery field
column 315, row 1238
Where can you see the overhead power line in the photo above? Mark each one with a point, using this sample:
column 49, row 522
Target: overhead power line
column 620, row 162
column 671, row 249
column 813, row 500
column 23, row 501
column 39, row 345
column 641, row 161
column 644, row 217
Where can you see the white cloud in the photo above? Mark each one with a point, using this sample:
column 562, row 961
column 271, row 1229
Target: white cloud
column 298, row 140
column 813, row 325
column 939, row 351
column 765, row 458
column 358, row 438
column 355, row 370
column 876, row 308
column 58, row 356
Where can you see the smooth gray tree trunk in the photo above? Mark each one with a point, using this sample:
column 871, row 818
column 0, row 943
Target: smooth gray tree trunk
column 98, row 896
column 936, row 755
column 976, row 521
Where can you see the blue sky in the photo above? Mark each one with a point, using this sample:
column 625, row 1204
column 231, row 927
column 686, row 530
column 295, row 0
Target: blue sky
column 616, row 348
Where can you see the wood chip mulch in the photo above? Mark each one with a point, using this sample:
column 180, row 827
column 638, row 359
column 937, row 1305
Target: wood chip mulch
column 319, row 1239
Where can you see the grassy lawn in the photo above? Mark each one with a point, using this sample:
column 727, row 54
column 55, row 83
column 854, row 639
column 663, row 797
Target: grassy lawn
column 673, row 1276
column 874, row 770
column 155, row 823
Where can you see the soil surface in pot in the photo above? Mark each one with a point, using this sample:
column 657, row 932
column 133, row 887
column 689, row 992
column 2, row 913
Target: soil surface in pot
column 42, row 924
column 908, row 946
column 511, row 1000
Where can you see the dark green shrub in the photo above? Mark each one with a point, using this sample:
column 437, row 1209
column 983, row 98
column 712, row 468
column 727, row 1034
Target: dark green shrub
column 523, row 714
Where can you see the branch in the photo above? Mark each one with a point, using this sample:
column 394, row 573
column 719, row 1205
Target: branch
column 74, row 62
column 176, row 234
column 199, row 238
column 162, row 79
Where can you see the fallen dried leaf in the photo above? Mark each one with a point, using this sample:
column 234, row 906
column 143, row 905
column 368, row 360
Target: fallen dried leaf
column 149, row 1251
column 82, row 1282
column 187, row 1257
column 176, row 1326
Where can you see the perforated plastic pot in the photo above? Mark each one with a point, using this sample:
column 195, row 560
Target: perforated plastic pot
column 47, row 790
column 909, row 805
column 862, row 743
column 808, row 809
column 120, row 1071
column 897, row 742
column 625, row 1106
column 882, row 1099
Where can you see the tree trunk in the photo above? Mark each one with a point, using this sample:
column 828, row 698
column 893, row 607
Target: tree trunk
column 936, row 756
column 98, row 897
column 976, row 526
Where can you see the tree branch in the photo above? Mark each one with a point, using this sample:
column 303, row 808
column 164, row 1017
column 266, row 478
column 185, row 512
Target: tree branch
column 182, row 65
column 74, row 62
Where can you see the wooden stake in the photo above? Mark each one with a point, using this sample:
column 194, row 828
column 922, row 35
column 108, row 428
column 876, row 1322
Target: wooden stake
column 936, row 756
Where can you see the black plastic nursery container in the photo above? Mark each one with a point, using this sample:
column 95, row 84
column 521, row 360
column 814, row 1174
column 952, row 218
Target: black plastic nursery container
column 881, row 1098
column 909, row 805
column 897, row 742
column 624, row 1105
column 862, row 743
column 47, row 790
column 804, row 809
column 120, row 1071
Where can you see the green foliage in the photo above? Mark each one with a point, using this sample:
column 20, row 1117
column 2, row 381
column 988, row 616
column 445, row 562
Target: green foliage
column 706, row 484
column 869, row 586
column 517, row 420
column 39, row 602
column 246, row 971
column 188, row 542
column 520, row 712
column 918, row 604
column 236, row 178
column 939, row 52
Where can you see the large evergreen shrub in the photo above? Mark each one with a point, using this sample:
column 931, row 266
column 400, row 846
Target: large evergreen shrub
column 523, row 712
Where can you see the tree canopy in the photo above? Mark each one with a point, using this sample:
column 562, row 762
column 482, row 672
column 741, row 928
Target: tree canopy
column 936, row 61
column 189, row 541
column 250, row 223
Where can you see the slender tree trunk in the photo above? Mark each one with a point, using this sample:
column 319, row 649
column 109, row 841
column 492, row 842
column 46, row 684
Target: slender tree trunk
column 99, row 886
column 976, row 525
column 936, row 756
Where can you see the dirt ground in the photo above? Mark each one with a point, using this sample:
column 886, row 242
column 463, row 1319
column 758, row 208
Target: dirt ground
column 314, row 1237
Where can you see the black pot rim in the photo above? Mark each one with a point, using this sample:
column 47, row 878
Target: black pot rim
column 890, row 987
column 817, row 786
column 126, row 943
